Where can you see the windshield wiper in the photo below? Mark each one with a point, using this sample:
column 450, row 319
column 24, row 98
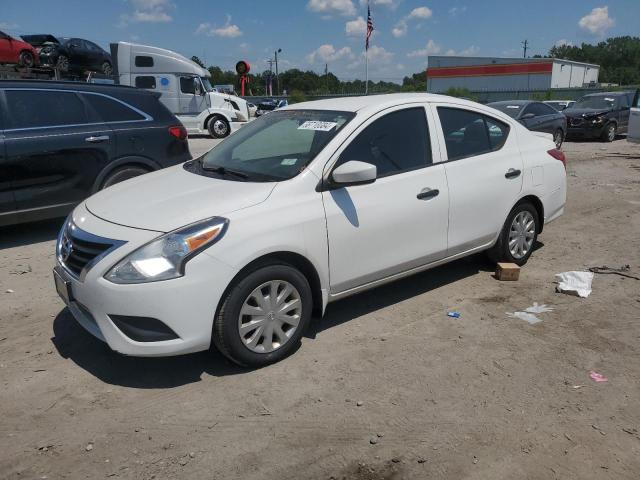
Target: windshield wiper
column 224, row 171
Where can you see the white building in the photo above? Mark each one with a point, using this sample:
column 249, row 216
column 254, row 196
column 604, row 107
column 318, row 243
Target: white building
column 492, row 73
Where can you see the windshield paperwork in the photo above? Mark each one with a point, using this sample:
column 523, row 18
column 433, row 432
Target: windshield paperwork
column 598, row 102
column 274, row 147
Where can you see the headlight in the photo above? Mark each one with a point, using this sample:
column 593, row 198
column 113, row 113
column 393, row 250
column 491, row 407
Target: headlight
column 165, row 257
column 599, row 119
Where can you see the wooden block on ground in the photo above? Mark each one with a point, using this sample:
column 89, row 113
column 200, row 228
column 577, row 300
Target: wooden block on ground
column 507, row 272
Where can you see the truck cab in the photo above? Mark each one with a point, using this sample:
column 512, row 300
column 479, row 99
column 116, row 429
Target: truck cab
column 184, row 88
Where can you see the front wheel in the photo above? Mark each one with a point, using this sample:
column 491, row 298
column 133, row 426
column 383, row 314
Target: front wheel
column 62, row 64
column 518, row 235
column 219, row 127
column 609, row 133
column 263, row 316
column 106, row 68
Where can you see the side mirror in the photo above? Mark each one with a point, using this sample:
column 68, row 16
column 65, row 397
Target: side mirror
column 527, row 116
column 354, row 173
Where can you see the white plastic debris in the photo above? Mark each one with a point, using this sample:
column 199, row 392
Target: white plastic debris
column 528, row 315
column 575, row 283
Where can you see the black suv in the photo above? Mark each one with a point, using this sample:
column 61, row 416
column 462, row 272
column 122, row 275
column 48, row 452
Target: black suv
column 62, row 141
column 70, row 54
column 599, row 115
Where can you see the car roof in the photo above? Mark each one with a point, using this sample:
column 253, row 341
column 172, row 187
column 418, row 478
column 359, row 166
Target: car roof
column 607, row 94
column 374, row 102
column 70, row 85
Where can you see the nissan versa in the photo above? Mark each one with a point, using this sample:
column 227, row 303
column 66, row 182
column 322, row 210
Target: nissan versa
column 306, row 205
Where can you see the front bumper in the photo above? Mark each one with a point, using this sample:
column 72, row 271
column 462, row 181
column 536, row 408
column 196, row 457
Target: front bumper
column 586, row 130
column 186, row 305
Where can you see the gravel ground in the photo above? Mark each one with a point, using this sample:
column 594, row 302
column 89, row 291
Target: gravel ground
column 385, row 385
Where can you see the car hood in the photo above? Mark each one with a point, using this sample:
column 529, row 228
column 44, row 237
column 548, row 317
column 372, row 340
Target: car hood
column 39, row 40
column 584, row 112
column 172, row 197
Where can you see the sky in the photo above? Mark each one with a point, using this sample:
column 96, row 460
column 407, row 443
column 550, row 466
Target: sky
column 312, row 33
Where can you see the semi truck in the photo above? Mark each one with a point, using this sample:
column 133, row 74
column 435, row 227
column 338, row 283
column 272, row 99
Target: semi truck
column 184, row 88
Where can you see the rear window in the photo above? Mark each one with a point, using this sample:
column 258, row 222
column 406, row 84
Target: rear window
column 44, row 108
column 111, row 110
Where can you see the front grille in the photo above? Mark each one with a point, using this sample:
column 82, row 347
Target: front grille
column 78, row 250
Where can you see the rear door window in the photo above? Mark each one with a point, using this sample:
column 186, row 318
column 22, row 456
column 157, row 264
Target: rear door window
column 44, row 108
column 469, row 133
column 111, row 110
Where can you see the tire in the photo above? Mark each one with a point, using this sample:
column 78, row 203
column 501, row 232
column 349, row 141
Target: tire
column 107, row 69
column 501, row 251
column 122, row 174
column 27, row 59
column 252, row 348
column 609, row 133
column 219, row 127
column 558, row 137
column 62, row 64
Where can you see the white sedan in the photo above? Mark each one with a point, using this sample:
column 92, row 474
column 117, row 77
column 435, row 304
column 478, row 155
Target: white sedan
column 309, row 204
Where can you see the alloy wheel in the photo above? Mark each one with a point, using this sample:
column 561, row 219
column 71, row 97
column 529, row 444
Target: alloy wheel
column 269, row 316
column 522, row 234
column 611, row 133
column 220, row 127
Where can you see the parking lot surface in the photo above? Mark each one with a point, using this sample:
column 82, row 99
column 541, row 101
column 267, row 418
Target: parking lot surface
column 386, row 385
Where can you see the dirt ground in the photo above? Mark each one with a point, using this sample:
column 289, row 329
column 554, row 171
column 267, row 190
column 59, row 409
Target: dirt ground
column 385, row 386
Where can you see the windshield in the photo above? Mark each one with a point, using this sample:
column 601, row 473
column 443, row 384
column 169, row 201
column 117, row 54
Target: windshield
column 277, row 146
column 207, row 84
column 597, row 102
column 511, row 110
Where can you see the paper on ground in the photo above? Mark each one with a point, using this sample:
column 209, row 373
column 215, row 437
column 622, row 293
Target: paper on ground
column 575, row 283
column 528, row 314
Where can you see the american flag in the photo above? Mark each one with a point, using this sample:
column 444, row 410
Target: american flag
column 369, row 27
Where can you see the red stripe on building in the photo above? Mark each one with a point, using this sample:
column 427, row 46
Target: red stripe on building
column 489, row 70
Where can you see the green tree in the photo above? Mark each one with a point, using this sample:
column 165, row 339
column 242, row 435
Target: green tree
column 198, row 61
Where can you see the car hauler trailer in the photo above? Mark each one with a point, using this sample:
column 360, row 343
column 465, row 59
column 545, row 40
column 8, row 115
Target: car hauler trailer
column 184, row 88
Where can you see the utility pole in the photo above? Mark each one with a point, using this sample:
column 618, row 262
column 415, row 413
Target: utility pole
column 277, row 77
column 269, row 84
column 525, row 46
column 326, row 75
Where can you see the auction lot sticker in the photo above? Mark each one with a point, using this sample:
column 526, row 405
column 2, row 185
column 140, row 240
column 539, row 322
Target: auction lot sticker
column 317, row 125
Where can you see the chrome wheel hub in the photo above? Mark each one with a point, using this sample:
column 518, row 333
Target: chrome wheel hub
column 521, row 234
column 219, row 127
column 269, row 316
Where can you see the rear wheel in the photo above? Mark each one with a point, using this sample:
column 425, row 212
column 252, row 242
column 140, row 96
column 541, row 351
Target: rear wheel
column 518, row 235
column 122, row 174
column 218, row 127
column 609, row 133
column 263, row 316
column 558, row 137
column 106, row 68
column 27, row 59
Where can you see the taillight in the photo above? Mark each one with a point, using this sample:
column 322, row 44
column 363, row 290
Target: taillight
column 178, row 131
column 558, row 155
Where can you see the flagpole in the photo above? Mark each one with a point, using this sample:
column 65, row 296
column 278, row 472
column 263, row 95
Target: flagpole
column 366, row 71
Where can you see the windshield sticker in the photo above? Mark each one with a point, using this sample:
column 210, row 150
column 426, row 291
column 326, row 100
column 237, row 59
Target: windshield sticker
column 289, row 161
column 513, row 106
column 317, row 125
column 610, row 99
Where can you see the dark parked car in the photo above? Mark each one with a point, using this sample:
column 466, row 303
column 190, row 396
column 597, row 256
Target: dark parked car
column 16, row 51
column 600, row 115
column 71, row 54
column 536, row 116
column 62, row 141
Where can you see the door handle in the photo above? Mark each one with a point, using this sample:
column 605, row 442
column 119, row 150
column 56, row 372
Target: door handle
column 101, row 138
column 427, row 194
column 512, row 173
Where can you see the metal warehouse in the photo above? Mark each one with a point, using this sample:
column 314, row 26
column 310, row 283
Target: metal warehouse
column 492, row 73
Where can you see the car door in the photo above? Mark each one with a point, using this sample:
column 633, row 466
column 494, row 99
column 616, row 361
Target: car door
column 192, row 100
column 398, row 222
column 622, row 104
column 7, row 202
column 634, row 120
column 52, row 148
column 484, row 173
column 78, row 55
column 549, row 119
column 6, row 52
column 94, row 55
